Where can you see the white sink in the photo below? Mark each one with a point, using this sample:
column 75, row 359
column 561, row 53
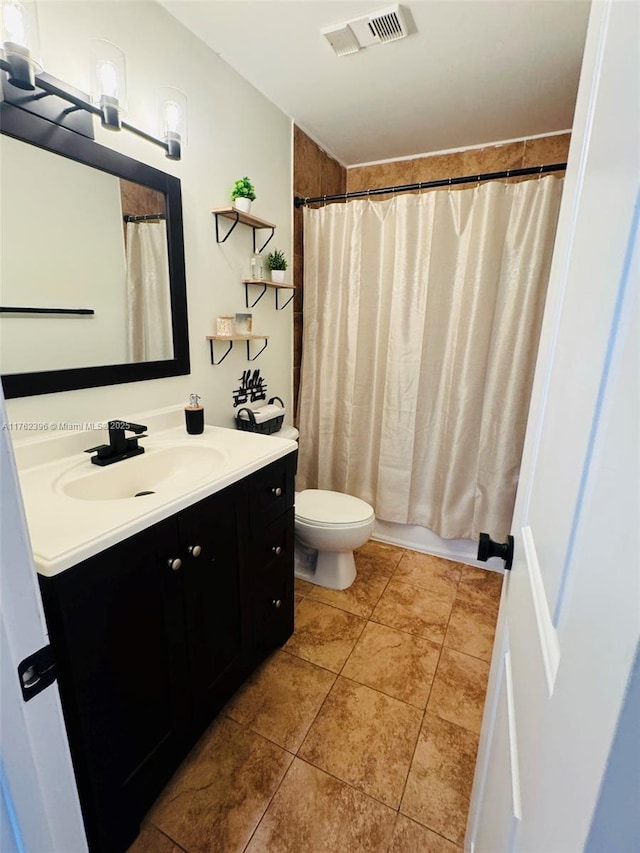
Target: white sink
column 171, row 470
column 76, row 509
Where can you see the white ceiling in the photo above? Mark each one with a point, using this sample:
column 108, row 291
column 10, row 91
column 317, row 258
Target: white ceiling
column 475, row 72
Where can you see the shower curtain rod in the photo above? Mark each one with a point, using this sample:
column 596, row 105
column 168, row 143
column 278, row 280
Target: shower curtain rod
column 143, row 217
column 425, row 185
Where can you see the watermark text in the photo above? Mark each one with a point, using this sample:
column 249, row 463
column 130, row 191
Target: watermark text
column 53, row 426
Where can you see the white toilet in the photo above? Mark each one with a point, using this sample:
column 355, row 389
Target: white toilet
column 334, row 525
column 329, row 526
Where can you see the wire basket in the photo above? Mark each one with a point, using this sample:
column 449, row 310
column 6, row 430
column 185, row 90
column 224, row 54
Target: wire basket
column 252, row 424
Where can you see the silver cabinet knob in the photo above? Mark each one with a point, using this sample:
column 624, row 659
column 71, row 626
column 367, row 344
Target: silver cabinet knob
column 195, row 550
column 277, row 550
column 277, row 603
column 175, row 563
column 277, row 491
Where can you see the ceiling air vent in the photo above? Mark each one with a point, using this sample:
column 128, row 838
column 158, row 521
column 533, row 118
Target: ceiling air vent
column 380, row 27
column 342, row 39
column 388, row 25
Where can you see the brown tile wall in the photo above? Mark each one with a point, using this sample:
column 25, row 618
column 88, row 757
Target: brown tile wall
column 314, row 173
column 138, row 200
column 475, row 161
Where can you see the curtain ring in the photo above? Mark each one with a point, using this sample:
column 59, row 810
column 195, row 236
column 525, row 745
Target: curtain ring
column 477, row 183
column 506, row 177
column 540, row 172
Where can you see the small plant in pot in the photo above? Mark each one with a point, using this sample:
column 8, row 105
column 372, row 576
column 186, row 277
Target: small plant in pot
column 242, row 194
column 277, row 263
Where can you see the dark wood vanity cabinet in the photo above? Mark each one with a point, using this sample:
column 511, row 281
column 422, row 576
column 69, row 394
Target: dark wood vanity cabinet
column 152, row 636
column 271, row 533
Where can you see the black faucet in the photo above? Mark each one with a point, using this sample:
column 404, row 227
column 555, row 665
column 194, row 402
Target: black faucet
column 119, row 446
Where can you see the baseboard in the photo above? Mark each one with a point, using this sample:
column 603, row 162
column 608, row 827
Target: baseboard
column 422, row 539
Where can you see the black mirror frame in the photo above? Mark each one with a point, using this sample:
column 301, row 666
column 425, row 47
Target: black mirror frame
column 33, row 130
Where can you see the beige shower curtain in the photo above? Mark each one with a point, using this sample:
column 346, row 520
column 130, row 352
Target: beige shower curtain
column 421, row 323
column 149, row 329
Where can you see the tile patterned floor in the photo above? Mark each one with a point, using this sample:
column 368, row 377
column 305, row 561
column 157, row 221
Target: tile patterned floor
column 360, row 734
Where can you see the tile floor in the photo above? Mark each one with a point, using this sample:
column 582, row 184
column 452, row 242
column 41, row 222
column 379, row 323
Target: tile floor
column 360, row 734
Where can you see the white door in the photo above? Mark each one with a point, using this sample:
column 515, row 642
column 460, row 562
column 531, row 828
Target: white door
column 39, row 808
column 570, row 613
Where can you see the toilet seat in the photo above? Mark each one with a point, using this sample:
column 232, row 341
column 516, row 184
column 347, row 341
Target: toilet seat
column 323, row 508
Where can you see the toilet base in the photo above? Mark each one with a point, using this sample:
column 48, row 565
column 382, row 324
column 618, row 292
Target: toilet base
column 331, row 569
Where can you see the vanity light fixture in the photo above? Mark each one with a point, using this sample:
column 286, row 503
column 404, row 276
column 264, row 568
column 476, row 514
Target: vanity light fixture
column 172, row 119
column 25, row 86
column 108, row 82
column 20, row 42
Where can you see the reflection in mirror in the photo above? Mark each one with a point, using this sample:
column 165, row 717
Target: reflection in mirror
column 148, row 299
column 101, row 246
column 92, row 263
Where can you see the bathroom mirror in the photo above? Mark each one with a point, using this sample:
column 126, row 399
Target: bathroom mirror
column 92, row 285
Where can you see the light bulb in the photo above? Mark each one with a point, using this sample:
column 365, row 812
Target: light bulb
column 15, row 30
column 108, row 82
column 172, row 116
column 172, row 119
column 20, row 42
column 108, row 77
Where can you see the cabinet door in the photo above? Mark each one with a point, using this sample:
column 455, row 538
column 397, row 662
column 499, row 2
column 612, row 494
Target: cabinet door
column 211, row 576
column 272, row 592
column 116, row 627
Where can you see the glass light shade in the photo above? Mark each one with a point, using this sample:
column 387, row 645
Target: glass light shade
column 21, row 41
column 172, row 119
column 108, row 81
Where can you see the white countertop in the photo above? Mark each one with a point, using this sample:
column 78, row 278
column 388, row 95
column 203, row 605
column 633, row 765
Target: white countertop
column 65, row 530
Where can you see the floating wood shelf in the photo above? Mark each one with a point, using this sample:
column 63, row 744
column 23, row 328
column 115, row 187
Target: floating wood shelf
column 236, row 216
column 230, row 340
column 265, row 283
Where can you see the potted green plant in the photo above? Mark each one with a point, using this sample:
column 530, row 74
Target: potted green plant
column 242, row 194
column 277, row 263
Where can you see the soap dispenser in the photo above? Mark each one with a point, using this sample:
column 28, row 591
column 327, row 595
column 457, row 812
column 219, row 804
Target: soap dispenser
column 194, row 415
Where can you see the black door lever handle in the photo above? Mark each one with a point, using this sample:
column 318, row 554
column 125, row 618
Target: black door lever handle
column 487, row 549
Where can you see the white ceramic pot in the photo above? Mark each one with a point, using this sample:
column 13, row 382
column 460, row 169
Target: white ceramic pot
column 278, row 275
column 243, row 204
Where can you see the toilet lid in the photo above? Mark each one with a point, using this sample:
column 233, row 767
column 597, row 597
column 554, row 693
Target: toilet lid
column 327, row 507
column 287, row 431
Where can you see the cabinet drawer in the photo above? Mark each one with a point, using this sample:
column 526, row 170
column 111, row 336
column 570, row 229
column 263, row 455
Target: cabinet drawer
column 274, row 546
column 272, row 491
column 273, row 605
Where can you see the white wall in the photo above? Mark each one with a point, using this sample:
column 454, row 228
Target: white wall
column 233, row 131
